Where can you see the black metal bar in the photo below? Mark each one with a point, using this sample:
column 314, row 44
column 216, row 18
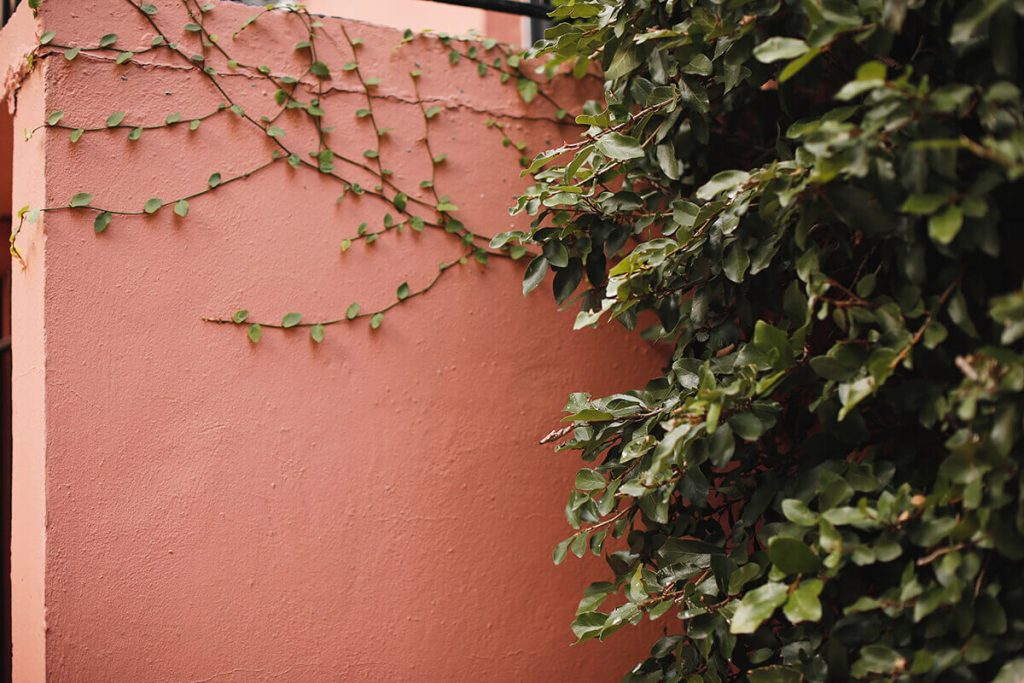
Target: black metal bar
column 8, row 10
column 523, row 9
column 538, row 24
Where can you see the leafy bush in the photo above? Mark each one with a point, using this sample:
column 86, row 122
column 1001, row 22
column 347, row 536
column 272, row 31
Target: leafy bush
column 816, row 203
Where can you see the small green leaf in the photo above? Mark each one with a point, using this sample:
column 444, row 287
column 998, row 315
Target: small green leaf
column 181, row 207
column 346, row 244
column 80, row 199
column 403, row 291
column 47, row 37
column 255, row 333
column 214, row 180
column 352, row 311
column 275, row 132
column 756, row 606
column 797, row 512
column 621, row 147
column 319, row 69
column 803, row 603
column 115, row 119
column 135, row 133
column 535, row 273
column 376, row 320
column 148, row 8
column 944, row 227
column 590, row 480
column 792, row 556
column 194, row 124
column 54, row 117
column 123, row 57
column 108, row 40
column 102, row 221
column 561, row 550
column 76, row 134
column 71, row 53
column 431, row 112
column 240, row 316
column 777, row 47
column 316, row 333
column 923, row 204
column 527, row 89
column 291, row 319
column 153, row 205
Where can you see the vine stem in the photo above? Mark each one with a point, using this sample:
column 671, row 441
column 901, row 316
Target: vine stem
column 441, row 270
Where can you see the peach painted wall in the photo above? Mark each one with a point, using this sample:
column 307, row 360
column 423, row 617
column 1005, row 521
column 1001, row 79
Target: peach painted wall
column 374, row 508
column 423, row 15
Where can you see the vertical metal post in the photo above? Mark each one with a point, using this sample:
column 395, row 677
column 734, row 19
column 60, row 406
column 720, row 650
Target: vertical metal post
column 538, row 24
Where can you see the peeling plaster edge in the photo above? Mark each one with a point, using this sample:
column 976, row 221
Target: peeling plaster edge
column 15, row 50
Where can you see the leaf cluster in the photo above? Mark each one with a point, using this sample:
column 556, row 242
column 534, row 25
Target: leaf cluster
column 815, row 203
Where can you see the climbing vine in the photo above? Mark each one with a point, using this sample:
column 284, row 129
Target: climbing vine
column 423, row 208
column 816, row 205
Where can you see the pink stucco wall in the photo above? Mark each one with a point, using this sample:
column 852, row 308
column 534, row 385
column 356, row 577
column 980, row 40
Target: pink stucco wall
column 373, row 508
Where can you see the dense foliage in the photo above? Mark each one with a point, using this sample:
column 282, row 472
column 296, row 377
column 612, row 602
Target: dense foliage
column 815, row 202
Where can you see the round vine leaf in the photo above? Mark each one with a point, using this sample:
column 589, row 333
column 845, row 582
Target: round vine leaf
column 76, row 134
column 275, row 132
column 291, row 319
column 346, row 244
column 80, row 199
column 47, row 38
column 153, row 205
column 352, row 311
column 101, row 221
column 255, row 333
column 319, row 69
column 240, row 316
column 777, row 47
column 792, row 556
column 115, row 119
column 620, row 147
column 71, row 53
column 135, row 133
column 316, row 333
column 527, row 89
column 214, row 180
column 54, row 117
column 108, row 40
column 181, row 207
column 403, row 291
column 376, row 320
column 148, row 8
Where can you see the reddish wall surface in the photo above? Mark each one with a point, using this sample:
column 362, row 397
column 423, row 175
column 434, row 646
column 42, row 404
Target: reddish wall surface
column 373, row 508
column 424, row 15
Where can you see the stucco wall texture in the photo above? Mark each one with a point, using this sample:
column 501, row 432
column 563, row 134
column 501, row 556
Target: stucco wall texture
column 375, row 508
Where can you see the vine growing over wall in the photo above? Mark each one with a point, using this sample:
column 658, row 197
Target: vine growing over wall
column 361, row 176
column 816, row 203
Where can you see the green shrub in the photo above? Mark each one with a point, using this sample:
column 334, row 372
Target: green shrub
column 818, row 205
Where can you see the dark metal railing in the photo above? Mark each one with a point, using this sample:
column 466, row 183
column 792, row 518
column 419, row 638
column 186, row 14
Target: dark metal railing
column 536, row 10
column 7, row 8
